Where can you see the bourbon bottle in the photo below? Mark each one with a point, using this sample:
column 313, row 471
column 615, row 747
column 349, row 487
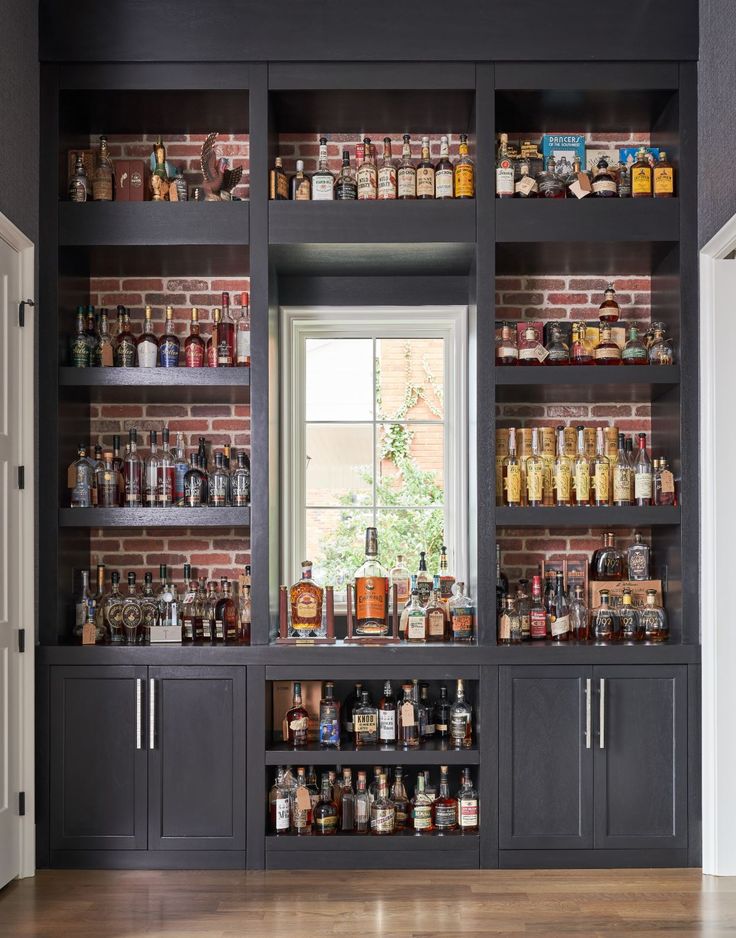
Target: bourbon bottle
column 306, row 599
column 371, row 591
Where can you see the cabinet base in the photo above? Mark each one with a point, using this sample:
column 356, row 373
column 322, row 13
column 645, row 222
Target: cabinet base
column 590, row 859
column 148, row 859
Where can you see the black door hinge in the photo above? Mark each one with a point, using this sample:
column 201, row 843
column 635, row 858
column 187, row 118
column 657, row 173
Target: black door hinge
column 21, row 477
column 22, row 311
column 21, row 803
column 21, row 640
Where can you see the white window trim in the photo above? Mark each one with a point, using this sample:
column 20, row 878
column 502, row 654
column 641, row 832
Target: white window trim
column 298, row 323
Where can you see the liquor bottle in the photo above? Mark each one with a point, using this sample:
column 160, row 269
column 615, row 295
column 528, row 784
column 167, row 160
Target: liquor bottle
column 240, row 481
column 643, row 487
column 371, row 591
column 444, row 809
column 407, row 172
column 641, row 176
column 507, row 349
column 504, row 171
column 436, row 615
column 219, row 484
column 147, row 345
column 609, row 310
column 133, row 472
column 558, row 351
column 622, row 476
column 416, row 624
column 638, row 557
column 443, row 173
column 408, row 731
column 464, row 178
column 199, row 611
column 579, row 616
column 83, row 602
column 631, row 629
column 108, row 484
column 660, row 347
column 296, row 721
column 523, row 606
column 442, row 715
column 447, row 580
column 169, row 346
column 664, row 483
column 462, row 615
column 209, row 631
column 606, row 352
column 664, row 178
column 383, row 812
column 362, row 806
column 605, row 622
column 511, row 470
column 301, row 805
column 581, row 350
column 367, row 179
column 112, row 612
column 300, row 187
column 80, row 475
column 150, row 474
column 79, row 187
column 102, row 180
column 91, row 328
column 537, row 614
column 604, row 185
column 526, row 186
column 213, row 343
column 365, row 723
column 278, row 183
column 226, row 615
column 509, row 624
column 551, row 184
column 400, row 800
column 421, row 809
column 132, row 613
column 425, row 173
column 427, row 728
column 189, row 596
column 279, row 803
column 126, row 353
column 387, row 717
column 323, row 181
column 461, row 720
column 326, row 816
column 562, row 479
column 421, row 709
column 149, row 609
column 631, row 459
column 166, row 472
column 535, row 471
column 560, row 612
column 226, row 335
column 103, row 353
column 181, row 467
column 653, row 619
column 329, row 719
column 306, row 599
column 194, row 348
column 399, row 577
column 404, row 617
column 79, row 350
column 635, row 352
column 502, row 581
column 468, row 813
column 387, row 173
column 581, row 472
column 608, row 562
column 346, row 187
column 351, row 702
column 242, row 333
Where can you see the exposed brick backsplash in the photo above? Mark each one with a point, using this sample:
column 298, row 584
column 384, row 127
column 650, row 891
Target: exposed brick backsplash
column 550, row 298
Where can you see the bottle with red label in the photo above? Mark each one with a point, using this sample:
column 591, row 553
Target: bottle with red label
column 194, row 344
column 226, row 335
column 537, row 614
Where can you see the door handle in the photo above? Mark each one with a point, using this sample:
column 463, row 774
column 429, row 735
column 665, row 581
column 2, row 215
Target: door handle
column 139, row 713
column 588, row 712
column 602, row 715
column 152, row 713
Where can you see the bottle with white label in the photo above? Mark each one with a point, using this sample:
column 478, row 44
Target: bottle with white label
column 148, row 343
column 387, row 173
column 559, row 614
column 467, row 805
column 416, row 622
column 387, row 716
column 367, row 176
column 643, row 474
column 444, row 173
column 279, row 803
column 323, row 181
column 407, row 173
column 504, row 171
column 425, row 173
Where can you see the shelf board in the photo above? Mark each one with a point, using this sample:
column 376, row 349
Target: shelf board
column 154, row 517
column 366, row 842
column 431, row 753
column 186, row 385
column 584, row 517
column 584, row 383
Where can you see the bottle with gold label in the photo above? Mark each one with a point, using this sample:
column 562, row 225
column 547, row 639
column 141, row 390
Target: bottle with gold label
column 371, row 591
column 367, row 176
column 102, row 181
column 664, row 177
column 581, row 472
column 535, row 473
column 407, row 174
column 512, row 474
column 623, row 474
column 464, row 172
column 278, row 183
column 601, row 473
column 387, row 173
column 641, row 176
column 306, row 599
column 300, row 186
column 562, row 472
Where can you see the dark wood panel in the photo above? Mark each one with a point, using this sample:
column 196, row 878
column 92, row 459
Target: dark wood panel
column 636, row 383
column 372, row 76
column 160, row 385
column 430, row 753
column 197, row 789
column 98, row 775
column 545, row 797
column 154, row 517
column 612, row 77
column 577, row 516
column 147, row 860
column 591, row 859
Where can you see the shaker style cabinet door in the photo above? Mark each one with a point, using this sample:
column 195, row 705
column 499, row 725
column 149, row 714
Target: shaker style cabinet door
column 195, row 738
column 545, row 763
column 641, row 756
column 98, row 758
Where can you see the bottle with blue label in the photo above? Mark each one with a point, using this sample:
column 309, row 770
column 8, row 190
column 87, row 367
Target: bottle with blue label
column 329, row 719
column 169, row 345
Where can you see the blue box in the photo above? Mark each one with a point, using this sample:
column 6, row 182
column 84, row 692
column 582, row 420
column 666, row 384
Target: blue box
column 567, row 145
column 627, row 155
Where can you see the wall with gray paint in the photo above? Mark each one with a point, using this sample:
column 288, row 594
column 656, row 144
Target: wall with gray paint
column 19, row 108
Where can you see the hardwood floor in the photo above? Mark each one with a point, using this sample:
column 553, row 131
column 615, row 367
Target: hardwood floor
column 355, row 904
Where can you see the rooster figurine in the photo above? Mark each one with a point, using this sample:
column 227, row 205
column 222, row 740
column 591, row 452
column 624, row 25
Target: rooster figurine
column 219, row 181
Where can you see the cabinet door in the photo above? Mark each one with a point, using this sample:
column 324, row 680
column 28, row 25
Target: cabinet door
column 545, row 759
column 196, row 758
column 98, row 758
column 641, row 756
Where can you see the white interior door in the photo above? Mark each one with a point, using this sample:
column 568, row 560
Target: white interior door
column 12, row 578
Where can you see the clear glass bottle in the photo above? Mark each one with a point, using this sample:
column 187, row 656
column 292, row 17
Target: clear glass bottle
column 562, row 478
column 79, row 187
column 365, row 723
column 126, row 352
column 383, row 812
column 323, row 180
column 81, row 473
column 367, row 177
column 147, row 345
column 346, row 188
column 400, row 578
column 635, row 351
column 531, row 352
column 468, row 808
column 505, row 187
column 194, row 347
column 371, row 591
column 535, row 471
column 608, row 562
column 604, row 185
column 347, row 802
column 102, row 180
column 638, row 558
column 296, row 721
column 643, row 478
column 300, row 185
column 511, row 469
column 132, row 613
column 425, row 173
column 387, row 717
column 507, row 349
column 560, row 612
column 558, row 352
column 79, row 350
column 660, row 347
column 301, row 805
column 108, row 484
column 279, row 804
column 606, row 352
column 150, row 474
column 103, row 353
column 605, row 621
column 436, row 614
column 579, row 616
column 408, row 730
column 462, row 615
column 201, row 623
column 407, row 172
column 240, row 481
column 421, row 808
column 581, row 350
column 166, row 472
column 326, row 817
column 622, row 476
column 444, row 809
column 461, row 720
column 653, row 619
column 83, row 602
column 581, row 488
column 664, row 483
column 387, row 173
column 551, row 185
column 112, row 612
column 631, row 629
column 133, row 472
column 400, row 800
column 443, row 173
column 219, row 485
column 149, row 609
column 509, row 623
column 362, row 806
column 424, row 580
column 464, row 178
column 416, row 621
column 242, row 333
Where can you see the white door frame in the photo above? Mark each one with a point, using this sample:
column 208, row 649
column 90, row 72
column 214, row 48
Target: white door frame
column 25, row 725
column 717, row 524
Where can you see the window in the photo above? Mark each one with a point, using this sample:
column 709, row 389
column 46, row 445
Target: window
column 374, row 433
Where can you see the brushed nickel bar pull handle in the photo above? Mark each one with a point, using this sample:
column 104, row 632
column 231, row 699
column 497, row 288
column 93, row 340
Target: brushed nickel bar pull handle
column 139, row 713
column 588, row 712
column 152, row 713
column 602, row 714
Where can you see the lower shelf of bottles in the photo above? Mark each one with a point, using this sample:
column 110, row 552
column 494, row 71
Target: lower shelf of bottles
column 433, row 752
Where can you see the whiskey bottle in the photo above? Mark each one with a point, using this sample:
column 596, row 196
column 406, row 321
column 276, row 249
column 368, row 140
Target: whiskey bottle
column 226, row 335
column 194, row 348
column 209, row 627
column 242, row 333
column 537, row 613
column 383, row 812
column 149, row 609
column 531, row 351
column 150, row 473
column 581, row 472
column 461, row 719
column 79, row 350
column 660, row 347
column 367, row 176
column 523, row 607
column 108, row 484
column 416, row 623
column 426, row 702
column 387, row 717
column 300, row 187
column 371, row 591
column 79, row 188
column 326, row 817
column 362, row 806
column 509, row 626
column 558, row 351
column 609, row 310
column 400, row 800
column 219, row 484
column 634, row 352
column 132, row 613
column 468, row 813
column 278, row 183
column 622, row 476
column 504, row 171
column 421, row 809
column 195, row 485
column 226, row 615
column 535, row 471
column 102, row 181
column 166, row 473
column 112, row 612
column 346, row 188
column 147, row 345
column 559, row 613
column 443, row 173
column 424, row 580
column 653, row 619
column 502, row 581
column 387, row 173
column 187, row 605
column 526, row 186
column 399, row 577
column 125, row 345
column 425, row 173
column 444, row 809
column 436, row 615
column 296, row 722
column 638, row 557
column 551, row 185
column 462, row 615
column 631, row 630
column 604, row 185
column 447, row 580
column 213, row 343
column 323, row 181
column 605, row 622
column 240, row 481
column 408, row 732
column 279, row 804
column 365, row 723
column 641, row 176
column 464, row 172
column 351, row 702
column 664, row 178
column 608, row 561
column 83, row 602
column 407, row 172
column 169, row 346
column 562, row 479
column 643, row 487
column 507, row 349
column 664, row 483
column 601, row 473
column 606, row 352
column 581, row 350
column 301, row 805
column 511, row 469
column 329, row 719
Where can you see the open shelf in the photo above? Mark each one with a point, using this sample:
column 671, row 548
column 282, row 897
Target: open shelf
column 154, row 517
column 430, row 753
column 593, row 516
column 584, row 383
column 186, row 385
